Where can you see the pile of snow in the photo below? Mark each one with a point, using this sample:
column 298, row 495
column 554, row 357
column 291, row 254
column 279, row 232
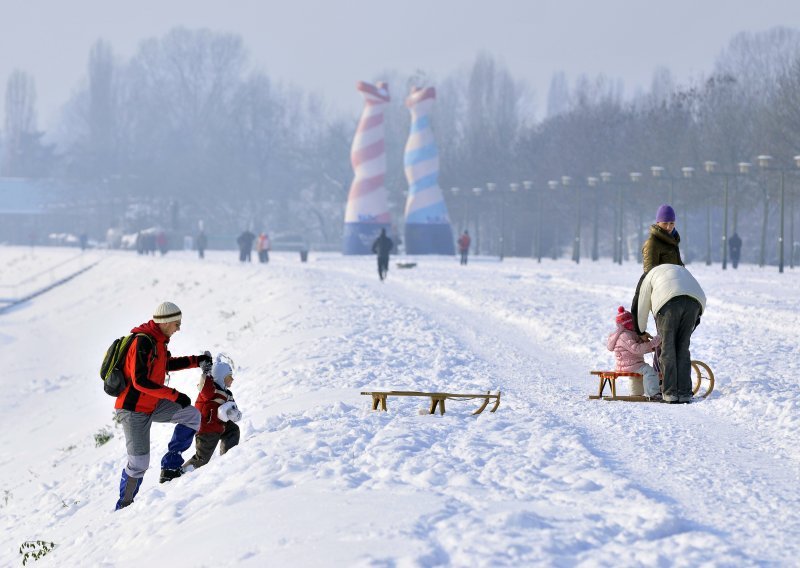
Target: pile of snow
column 321, row 480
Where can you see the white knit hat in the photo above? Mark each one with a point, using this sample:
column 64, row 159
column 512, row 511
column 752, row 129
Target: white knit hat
column 166, row 312
column 219, row 371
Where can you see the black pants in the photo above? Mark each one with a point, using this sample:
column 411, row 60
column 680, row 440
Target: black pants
column 675, row 322
column 383, row 266
column 205, row 444
column 464, row 255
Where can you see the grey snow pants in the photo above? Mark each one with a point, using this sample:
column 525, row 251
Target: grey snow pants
column 675, row 322
column 136, row 426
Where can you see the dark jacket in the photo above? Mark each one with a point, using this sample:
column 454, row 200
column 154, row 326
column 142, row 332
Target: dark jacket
column 383, row 246
column 145, row 374
column 245, row 240
column 661, row 247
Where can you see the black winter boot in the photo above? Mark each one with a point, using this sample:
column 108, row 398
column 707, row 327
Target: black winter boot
column 169, row 475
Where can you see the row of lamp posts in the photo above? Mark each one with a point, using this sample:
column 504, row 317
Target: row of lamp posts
column 765, row 162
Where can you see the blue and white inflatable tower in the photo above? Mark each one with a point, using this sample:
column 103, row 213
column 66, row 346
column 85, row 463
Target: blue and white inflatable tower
column 428, row 228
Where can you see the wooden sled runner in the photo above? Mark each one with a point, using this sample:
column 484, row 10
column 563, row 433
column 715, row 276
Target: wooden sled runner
column 702, row 383
column 437, row 399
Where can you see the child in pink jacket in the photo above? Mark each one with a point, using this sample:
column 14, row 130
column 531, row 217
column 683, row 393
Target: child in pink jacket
column 629, row 350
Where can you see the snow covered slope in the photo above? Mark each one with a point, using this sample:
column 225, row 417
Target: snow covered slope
column 319, row 479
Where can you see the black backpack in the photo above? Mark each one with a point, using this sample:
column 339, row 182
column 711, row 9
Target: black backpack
column 113, row 377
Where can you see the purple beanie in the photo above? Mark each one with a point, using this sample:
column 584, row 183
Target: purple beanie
column 665, row 214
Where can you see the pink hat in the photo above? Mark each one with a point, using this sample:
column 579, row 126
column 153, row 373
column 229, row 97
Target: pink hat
column 624, row 318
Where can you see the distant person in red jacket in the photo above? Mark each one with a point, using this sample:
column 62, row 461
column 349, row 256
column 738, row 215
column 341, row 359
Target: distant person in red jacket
column 463, row 246
column 146, row 399
column 218, row 416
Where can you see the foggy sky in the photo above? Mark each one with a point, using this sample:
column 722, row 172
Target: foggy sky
column 326, row 46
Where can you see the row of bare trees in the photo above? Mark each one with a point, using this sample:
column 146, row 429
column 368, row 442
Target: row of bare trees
column 187, row 122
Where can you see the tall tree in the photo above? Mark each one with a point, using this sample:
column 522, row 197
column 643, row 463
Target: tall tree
column 20, row 120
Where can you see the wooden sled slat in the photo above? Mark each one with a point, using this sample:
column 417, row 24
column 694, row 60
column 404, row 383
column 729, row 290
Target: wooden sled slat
column 437, row 399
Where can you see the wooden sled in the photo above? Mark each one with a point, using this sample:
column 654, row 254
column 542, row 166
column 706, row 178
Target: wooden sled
column 703, row 381
column 437, row 399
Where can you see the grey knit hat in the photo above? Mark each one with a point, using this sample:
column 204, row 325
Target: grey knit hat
column 166, row 312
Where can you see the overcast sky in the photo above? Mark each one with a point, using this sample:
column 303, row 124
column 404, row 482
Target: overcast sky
column 328, row 45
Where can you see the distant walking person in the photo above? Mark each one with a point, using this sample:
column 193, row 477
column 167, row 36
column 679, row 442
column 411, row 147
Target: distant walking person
column 202, row 243
column 382, row 247
column 661, row 247
column 262, row 246
column 245, row 242
column 463, row 246
column 735, row 246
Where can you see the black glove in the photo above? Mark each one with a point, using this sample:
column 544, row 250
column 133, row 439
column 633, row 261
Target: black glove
column 204, row 358
column 183, row 400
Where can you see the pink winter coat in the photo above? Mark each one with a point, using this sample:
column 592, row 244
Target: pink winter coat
column 629, row 349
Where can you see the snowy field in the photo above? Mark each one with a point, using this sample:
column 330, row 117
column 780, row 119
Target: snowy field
column 319, row 479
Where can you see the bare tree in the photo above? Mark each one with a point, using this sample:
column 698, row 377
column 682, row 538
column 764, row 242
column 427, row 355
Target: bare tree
column 20, row 121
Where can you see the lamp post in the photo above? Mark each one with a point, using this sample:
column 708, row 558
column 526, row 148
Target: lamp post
column 535, row 249
column 635, row 177
column 477, row 193
column 687, row 173
column 659, row 172
column 553, row 186
column 765, row 163
column 743, row 170
column 566, row 181
column 514, row 188
column 491, row 187
column 592, row 181
column 710, row 167
column 464, row 215
column 605, row 177
column 791, row 218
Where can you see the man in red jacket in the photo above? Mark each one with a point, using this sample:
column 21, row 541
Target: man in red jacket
column 146, row 399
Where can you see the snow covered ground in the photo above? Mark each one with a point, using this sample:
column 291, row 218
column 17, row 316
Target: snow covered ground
column 319, row 479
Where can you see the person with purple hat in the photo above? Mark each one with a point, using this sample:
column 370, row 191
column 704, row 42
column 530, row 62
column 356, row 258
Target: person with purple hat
column 661, row 247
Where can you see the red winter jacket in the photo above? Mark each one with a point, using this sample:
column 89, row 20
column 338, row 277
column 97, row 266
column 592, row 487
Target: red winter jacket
column 145, row 375
column 208, row 402
column 463, row 243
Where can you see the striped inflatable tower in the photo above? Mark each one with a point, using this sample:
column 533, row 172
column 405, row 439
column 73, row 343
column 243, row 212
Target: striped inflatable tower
column 367, row 203
column 427, row 223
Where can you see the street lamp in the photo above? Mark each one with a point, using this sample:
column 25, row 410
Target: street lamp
column 455, row 191
column 553, row 185
column 617, row 258
column 791, row 218
column 743, row 169
column 537, row 250
column 765, row 163
column 514, row 187
column 492, row 188
column 659, row 172
column 592, row 181
column 566, row 181
column 477, row 192
column 710, row 167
